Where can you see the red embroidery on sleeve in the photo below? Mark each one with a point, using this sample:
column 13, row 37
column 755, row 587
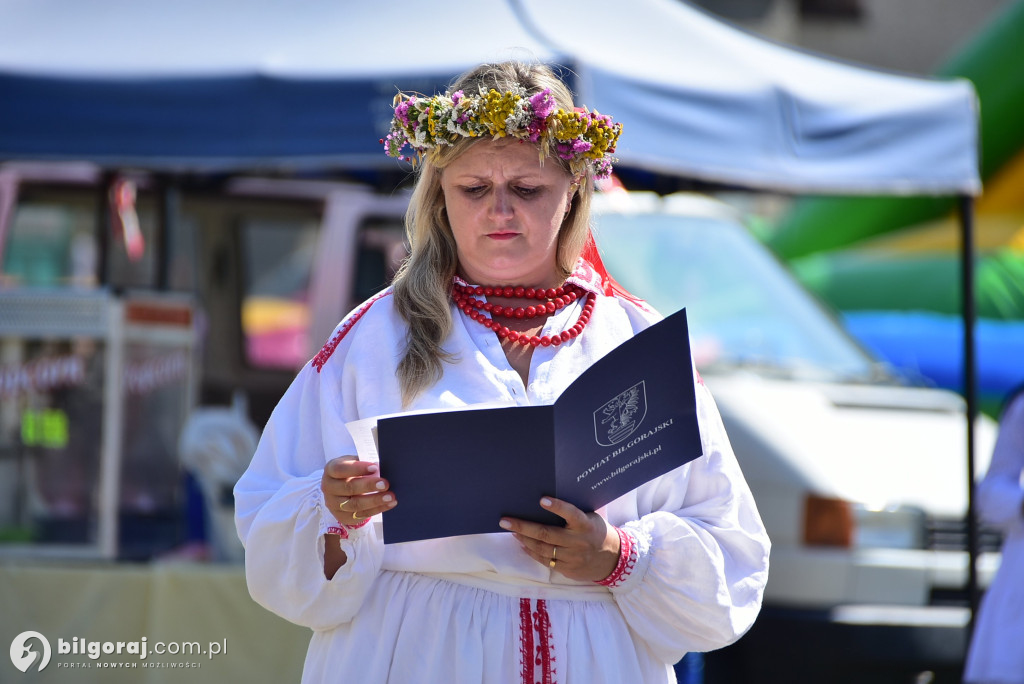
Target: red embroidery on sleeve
column 627, row 561
column 338, row 530
column 342, row 530
column 325, row 353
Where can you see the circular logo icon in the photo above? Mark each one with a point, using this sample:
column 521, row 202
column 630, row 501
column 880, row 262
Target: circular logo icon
column 23, row 655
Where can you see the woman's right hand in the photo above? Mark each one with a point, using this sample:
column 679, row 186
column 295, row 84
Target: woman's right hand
column 354, row 491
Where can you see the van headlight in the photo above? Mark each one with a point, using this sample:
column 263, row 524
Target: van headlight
column 839, row 523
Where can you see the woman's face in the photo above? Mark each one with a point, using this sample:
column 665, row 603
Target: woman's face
column 505, row 210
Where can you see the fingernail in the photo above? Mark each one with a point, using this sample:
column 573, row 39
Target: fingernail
column 372, row 469
column 382, row 485
column 505, row 525
column 392, row 504
column 545, row 501
column 388, row 497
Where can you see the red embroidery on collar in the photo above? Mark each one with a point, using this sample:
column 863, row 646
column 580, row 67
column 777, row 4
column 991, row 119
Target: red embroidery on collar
column 325, row 353
column 585, row 276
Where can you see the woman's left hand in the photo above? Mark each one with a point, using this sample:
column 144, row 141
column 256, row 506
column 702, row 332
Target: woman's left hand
column 587, row 548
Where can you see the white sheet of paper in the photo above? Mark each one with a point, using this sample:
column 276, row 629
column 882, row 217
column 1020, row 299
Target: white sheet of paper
column 364, row 432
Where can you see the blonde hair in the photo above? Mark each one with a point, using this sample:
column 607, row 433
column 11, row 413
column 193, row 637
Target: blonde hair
column 422, row 285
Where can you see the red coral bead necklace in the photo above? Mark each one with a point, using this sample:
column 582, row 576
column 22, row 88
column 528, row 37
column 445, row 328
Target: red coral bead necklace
column 549, row 300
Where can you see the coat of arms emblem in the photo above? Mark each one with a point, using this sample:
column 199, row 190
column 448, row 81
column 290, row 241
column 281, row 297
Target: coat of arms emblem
column 619, row 417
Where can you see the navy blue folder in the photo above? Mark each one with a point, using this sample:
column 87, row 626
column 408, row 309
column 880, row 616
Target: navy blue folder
column 626, row 420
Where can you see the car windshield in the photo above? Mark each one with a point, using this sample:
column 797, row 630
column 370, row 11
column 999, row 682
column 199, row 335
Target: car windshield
column 744, row 308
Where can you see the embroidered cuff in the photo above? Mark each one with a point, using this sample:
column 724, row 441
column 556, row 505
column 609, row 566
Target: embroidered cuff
column 627, row 560
column 343, row 530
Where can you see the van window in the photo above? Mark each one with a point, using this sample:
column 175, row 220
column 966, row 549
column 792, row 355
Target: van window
column 743, row 307
column 381, row 251
column 51, row 243
column 277, row 261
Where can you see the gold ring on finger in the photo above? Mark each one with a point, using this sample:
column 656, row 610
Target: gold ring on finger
column 356, row 516
column 341, row 506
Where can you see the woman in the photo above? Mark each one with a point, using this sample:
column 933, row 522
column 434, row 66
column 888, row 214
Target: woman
column 995, row 655
column 493, row 304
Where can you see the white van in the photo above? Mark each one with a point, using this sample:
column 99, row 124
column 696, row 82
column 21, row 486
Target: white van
column 860, row 477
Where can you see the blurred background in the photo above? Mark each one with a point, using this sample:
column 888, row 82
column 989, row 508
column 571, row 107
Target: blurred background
column 192, row 197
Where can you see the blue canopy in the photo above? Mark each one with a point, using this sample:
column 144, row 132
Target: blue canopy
column 261, row 84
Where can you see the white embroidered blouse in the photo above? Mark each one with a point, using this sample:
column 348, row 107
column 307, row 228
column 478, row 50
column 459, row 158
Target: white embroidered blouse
column 476, row 608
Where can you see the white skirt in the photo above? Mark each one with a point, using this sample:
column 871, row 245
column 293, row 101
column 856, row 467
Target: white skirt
column 437, row 628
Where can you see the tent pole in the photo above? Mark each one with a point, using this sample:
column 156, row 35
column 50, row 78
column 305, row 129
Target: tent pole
column 966, row 210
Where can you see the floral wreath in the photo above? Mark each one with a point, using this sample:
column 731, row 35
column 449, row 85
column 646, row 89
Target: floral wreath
column 582, row 138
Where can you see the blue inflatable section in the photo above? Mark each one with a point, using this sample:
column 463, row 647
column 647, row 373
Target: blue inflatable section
column 930, row 346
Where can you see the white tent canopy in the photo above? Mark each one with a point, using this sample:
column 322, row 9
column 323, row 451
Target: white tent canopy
column 233, row 84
